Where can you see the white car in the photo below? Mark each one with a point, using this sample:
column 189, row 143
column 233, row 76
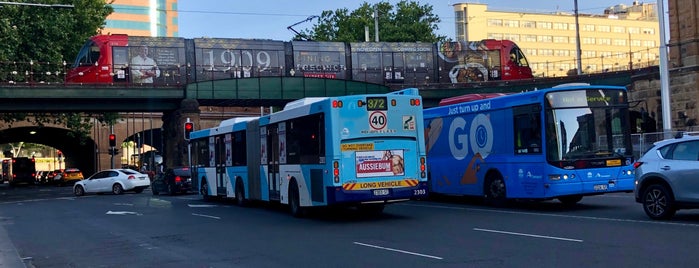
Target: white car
column 116, row 181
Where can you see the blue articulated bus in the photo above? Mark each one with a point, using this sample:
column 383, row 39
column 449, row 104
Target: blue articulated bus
column 358, row 150
column 561, row 143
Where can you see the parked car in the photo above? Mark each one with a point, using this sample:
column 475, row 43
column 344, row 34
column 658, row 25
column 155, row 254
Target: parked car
column 70, row 176
column 54, row 177
column 667, row 177
column 116, row 181
column 172, row 181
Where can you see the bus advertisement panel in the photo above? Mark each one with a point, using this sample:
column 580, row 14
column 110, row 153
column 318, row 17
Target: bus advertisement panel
column 564, row 142
column 358, row 150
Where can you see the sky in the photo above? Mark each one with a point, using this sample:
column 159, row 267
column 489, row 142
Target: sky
column 269, row 19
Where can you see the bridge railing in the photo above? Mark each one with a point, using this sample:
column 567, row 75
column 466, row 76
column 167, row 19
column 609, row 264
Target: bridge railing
column 32, row 72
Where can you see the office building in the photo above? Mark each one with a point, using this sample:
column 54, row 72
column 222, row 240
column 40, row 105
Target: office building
column 622, row 37
column 143, row 18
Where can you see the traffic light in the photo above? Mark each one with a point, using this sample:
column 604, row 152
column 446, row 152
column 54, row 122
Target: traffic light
column 113, row 151
column 112, row 140
column 188, row 127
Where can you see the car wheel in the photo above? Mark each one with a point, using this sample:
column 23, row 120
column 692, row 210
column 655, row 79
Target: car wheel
column 117, row 189
column 495, row 191
column 658, row 202
column 570, row 200
column 240, row 193
column 79, row 191
column 294, row 201
column 204, row 191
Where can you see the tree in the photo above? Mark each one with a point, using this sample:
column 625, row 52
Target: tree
column 45, row 34
column 49, row 36
column 409, row 22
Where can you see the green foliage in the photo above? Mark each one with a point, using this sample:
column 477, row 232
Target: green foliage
column 408, row 21
column 46, row 34
column 47, row 37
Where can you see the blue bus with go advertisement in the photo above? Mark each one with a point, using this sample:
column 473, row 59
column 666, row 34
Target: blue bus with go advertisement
column 364, row 151
column 561, row 143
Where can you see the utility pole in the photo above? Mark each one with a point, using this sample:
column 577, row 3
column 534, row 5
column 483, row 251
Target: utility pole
column 664, row 74
column 578, row 51
column 376, row 24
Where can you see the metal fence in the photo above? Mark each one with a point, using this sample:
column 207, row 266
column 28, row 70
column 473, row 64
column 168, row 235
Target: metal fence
column 642, row 142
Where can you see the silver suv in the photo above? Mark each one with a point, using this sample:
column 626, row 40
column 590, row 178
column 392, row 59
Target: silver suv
column 667, row 177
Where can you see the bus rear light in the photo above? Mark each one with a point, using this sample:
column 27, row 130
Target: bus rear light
column 337, row 104
column 423, row 174
column 414, row 102
column 336, row 171
column 360, row 103
column 393, row 102
column 422, row 164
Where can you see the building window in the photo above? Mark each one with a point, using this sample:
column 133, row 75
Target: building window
column 496, row 36
column 588, row 28
column 635, row 43
column 530, row 51
column 560, row 26
column 618, row 29
column 589, row 54
column 544, row 25
column 513, row 37
column 560, row 39
column 620, row 42
column 604, row 28
column 511, row 23
column 529, row 38
column 528, row 24
column 604, row 41
column 588, row 40
column 648, row 31
column 545, row 52
column 544, row 38
column 561, row 52
column 634, row 30
column 649, row 43
column 495, row 22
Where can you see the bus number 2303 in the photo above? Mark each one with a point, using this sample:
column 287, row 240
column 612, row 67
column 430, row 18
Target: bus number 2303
column 419, row 192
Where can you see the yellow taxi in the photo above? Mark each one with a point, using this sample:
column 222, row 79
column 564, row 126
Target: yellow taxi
column 70, row 176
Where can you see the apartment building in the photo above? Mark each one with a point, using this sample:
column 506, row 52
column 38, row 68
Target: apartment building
column 622, row 37
column 143, row 18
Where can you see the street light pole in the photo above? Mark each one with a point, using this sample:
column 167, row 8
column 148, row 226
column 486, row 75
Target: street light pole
column 577, row 40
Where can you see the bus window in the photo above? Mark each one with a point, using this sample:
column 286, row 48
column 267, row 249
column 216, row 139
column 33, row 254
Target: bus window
column 239, row 149
column 517, row 57
column 200, row 157
column 527, row 129
column 305, row 140
column 88, row 55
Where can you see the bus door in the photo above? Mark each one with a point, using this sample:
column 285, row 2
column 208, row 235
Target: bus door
column 220, row 160
column 273, row 161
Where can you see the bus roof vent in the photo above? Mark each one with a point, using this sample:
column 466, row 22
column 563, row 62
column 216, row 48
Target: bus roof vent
column 571, row 85
column 234, row 120
column 303, row 102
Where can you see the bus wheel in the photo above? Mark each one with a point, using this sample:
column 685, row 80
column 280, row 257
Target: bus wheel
column 570, row 200
column 240, row 193
column 204, row 191
column 495, row 191
column 294, row 200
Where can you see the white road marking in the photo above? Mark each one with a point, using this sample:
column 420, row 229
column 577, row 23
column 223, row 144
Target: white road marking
column 529, row 235
column 558, row 215
column 123, row 204
column 122, row 213
column 398, row 250
column 206, row 216
column 201, row 206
